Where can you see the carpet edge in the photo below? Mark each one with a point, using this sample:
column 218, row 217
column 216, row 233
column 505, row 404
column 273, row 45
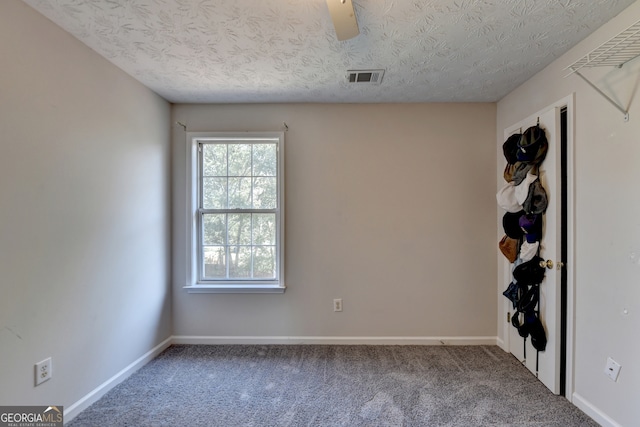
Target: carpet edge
column 94, row 395
column 335, row 340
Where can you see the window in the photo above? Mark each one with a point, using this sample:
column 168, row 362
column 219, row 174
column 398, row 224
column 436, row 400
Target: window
column 236, row 212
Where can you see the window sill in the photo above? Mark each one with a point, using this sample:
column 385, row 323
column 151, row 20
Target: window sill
column 235, row 289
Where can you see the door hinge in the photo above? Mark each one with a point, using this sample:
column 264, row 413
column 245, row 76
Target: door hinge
column 508, row 317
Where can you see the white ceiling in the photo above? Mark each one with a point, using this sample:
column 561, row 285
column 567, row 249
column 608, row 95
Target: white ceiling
column 227, row 51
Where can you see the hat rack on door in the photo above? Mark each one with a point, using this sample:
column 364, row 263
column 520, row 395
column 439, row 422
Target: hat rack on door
column 614, row 53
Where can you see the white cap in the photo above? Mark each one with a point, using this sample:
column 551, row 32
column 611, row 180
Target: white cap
column 506, row 197
column 522, row 190
column 528, row 250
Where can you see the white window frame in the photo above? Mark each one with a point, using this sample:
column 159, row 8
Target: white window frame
column 194, row 283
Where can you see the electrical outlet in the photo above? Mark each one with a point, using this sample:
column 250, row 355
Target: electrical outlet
column 612, row 370
column 337, row 304
column 43, row 371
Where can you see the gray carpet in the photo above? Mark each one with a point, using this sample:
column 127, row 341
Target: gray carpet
column 297, row 385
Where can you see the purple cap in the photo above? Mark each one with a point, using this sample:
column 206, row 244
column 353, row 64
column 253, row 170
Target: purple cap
column 532, row 227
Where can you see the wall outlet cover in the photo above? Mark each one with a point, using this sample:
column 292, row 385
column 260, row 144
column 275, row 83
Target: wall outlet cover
column 43, row 371
column 612, row 369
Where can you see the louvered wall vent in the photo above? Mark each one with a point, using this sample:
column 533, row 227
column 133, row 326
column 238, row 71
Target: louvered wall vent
column 372, row 77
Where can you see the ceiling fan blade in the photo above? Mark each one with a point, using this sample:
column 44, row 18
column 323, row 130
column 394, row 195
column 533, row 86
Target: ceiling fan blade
column 344, row 18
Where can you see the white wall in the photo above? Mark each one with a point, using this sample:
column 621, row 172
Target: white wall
column 390, row 207
column 607, row 228
column 84, row 213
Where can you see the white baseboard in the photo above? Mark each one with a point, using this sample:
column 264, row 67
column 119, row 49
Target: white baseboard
column 588, row 408
column 213, row 340
column 72, row 411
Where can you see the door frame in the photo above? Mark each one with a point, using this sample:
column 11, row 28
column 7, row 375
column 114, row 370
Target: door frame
column 504, row 265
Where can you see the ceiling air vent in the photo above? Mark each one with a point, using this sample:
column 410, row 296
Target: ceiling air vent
column 372, row 77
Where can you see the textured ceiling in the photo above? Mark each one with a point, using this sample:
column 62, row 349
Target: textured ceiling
column 225, row 51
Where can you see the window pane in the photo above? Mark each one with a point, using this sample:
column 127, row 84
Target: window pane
column 240, row 262
column 239, row 159
column 264, row 160
column 215, row 262
column 214, row 193
column 239, row 193
column 239, row 229
column 265, row 194
column 236, row 208
column 214, row 229
column 264, row 229
column 264, row 262
column 214, row 159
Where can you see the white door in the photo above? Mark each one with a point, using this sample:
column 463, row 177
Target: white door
column 545, row 364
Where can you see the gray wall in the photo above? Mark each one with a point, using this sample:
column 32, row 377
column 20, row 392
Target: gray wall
column 607, row 231
column 84, row 213
column 389, row 207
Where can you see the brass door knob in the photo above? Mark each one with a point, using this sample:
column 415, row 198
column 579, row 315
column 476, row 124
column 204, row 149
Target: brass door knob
column 546, row 264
